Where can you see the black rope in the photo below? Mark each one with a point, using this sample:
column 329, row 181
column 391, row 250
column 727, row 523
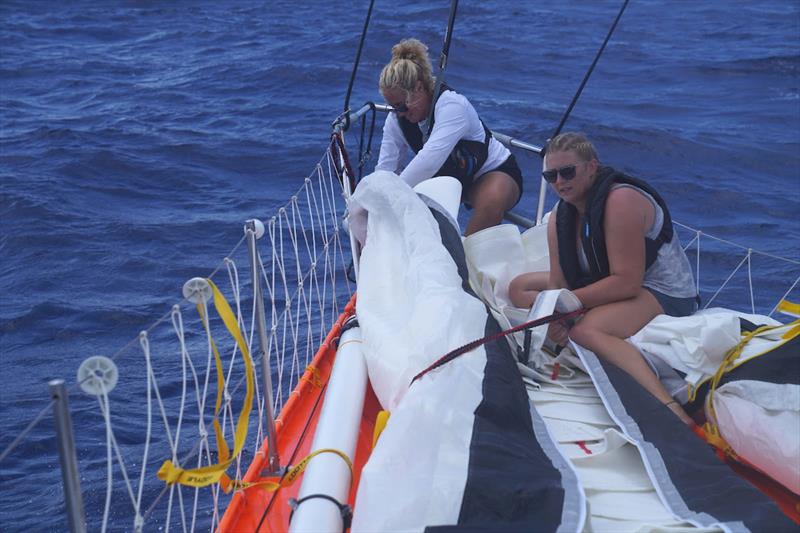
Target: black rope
column 588, row 73
column 355, row 67
column 448, row 35
column 344, row 510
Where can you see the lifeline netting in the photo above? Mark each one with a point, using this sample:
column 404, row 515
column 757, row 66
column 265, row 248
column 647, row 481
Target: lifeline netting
column 164, row 402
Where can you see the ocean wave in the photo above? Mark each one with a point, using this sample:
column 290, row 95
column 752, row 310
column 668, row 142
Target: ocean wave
column 138, row 138
column 780, row 65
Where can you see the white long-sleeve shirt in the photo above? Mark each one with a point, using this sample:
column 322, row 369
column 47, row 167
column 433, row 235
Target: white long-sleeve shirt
column 454, row 119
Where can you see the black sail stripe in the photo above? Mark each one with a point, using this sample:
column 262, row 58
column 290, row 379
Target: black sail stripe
column 695, row 483
column 511, row 484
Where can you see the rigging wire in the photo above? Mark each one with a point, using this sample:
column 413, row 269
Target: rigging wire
column 28, row 429
column 448, row 35
column 586, row 77
column 355, row 67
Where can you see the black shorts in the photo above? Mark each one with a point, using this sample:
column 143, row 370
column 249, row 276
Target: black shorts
column 673, row 306
column 509, row 166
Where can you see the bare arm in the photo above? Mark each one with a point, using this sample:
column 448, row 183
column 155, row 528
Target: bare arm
column 393, row 145
column 628, row 216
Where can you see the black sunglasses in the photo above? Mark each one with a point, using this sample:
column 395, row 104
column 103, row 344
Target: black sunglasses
column 400, row 108
column 403, row 106
column 568, row 172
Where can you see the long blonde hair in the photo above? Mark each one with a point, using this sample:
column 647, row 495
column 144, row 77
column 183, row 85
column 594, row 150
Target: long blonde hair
column 410, row 63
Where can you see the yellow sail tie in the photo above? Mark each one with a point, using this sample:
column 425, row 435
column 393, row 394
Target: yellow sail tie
column 207, row 475
column 380, row 424
column 790, row 308
column 713, row 435
column 793, row 309
column 292, row 474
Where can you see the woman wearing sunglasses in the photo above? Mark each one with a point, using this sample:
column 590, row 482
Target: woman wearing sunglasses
column 613, row 246
column 454, row 142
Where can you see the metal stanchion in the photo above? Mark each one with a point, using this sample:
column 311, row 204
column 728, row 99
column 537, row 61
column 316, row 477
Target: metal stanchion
column 69, row 460
column 253, row 230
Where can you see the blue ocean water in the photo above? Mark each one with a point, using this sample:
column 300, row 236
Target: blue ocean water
column 136, row 137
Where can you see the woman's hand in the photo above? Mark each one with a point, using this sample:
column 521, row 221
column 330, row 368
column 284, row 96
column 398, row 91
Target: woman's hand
column 558, row 331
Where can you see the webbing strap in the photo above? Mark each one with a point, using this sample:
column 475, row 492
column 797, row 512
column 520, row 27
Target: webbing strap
column 380, row 424
column 292, row 474
column 793, row 309
column 480, row 342
column 790, row 308
column 313, row 376
column 204, row 476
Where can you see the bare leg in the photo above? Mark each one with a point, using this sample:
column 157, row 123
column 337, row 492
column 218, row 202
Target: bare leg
column 523, row 290
column 603, row 330
column 492, row 195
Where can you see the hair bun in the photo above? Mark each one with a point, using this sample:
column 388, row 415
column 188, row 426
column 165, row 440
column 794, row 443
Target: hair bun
column 412, row 49
column 409, row 64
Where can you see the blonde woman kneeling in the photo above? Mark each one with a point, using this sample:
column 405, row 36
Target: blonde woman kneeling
column 611, row 243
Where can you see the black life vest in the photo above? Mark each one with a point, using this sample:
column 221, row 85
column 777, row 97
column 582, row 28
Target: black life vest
column 592, row 234
column 466, row 158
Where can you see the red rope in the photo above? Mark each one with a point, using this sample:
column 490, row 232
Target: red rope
column 338, row 143
column 480, row 342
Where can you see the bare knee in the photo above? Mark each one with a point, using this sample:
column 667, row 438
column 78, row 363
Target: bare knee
column 493, row 205
column 583, row 334
column 516, row 291
column 495, row 192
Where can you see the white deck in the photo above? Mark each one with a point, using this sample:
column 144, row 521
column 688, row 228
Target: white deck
column 620, row 495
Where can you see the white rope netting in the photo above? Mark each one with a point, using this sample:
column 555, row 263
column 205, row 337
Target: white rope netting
column 164, row 403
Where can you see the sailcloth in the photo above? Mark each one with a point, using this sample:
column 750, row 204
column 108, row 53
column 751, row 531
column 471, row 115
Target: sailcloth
column 465, row 448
